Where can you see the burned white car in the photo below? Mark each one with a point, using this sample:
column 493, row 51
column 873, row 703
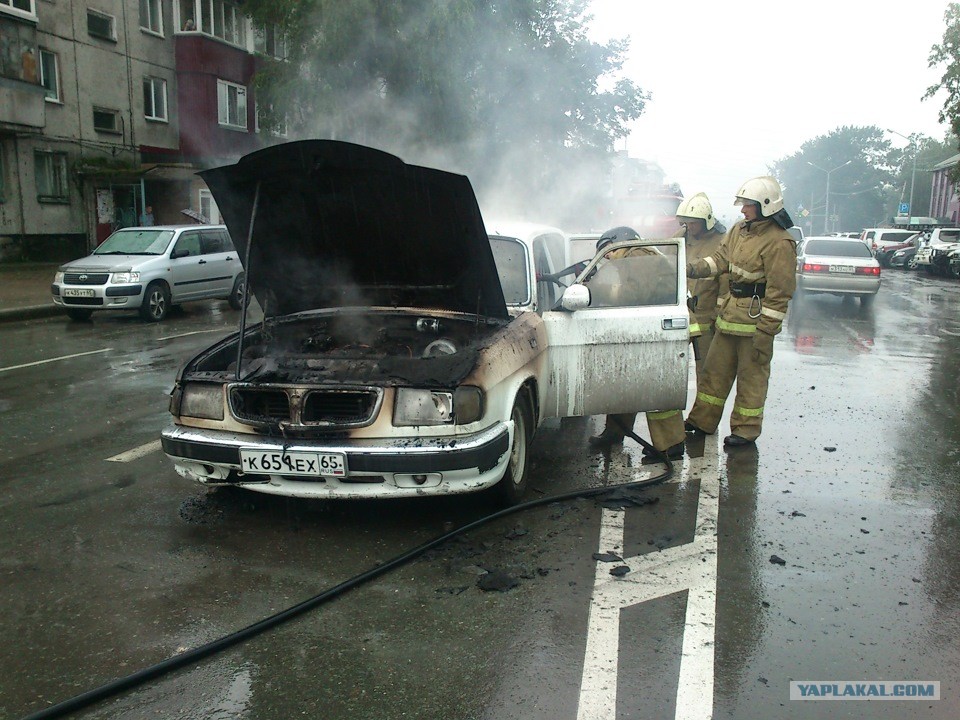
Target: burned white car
column 387, row 363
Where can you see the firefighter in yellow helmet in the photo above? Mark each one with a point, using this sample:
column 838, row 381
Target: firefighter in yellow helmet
column 703, row 235
column 666, row 427
column 761, row 257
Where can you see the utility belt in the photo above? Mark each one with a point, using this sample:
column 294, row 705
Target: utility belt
column 748, row 290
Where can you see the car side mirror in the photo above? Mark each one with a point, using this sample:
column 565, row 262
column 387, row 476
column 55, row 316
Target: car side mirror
column 575, row 297
column 179, row 253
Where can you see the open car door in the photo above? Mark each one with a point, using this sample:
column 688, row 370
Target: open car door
column 621, row 341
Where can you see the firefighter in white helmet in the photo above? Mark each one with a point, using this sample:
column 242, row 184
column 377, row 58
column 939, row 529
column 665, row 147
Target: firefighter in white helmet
column 703, row 235
column 666, row 427
column 761, row 257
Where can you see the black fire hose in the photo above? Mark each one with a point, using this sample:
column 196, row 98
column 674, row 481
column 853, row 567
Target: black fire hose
column 115, row 687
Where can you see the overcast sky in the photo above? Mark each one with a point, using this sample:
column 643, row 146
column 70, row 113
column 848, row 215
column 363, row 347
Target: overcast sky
column 738, row 85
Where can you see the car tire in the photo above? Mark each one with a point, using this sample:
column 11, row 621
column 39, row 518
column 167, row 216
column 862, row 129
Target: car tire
column 953, row 270
column 156, row 302
column 513, row 485
column 236, row 294
column 866, row 300
column 79, row 314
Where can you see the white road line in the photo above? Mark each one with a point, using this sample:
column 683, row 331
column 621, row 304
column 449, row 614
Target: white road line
column 691, row 567
column 195, row 332
column 137, row 452
column 50, row 360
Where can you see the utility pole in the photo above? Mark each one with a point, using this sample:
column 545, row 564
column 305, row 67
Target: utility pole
column 826, row 219
column 913, row 174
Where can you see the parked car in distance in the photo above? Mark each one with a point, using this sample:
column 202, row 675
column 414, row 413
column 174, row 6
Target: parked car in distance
column 876, row 238
column 933, row 255
column 839, row 266
column 884, row 254
column 905, row 257
column 388, row 362
column 150, row 269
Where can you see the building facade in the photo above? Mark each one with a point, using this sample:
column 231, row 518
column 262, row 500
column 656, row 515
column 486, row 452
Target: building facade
column 944, row 200
column 111, row 106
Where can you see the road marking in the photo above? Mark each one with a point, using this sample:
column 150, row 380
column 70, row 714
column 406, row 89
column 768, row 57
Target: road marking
column 691, row 567
column 136, row 453
column 195, row 332
column 50, row 360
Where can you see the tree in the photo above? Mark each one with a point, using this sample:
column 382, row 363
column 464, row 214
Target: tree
column 513, row 94
column 947, row 53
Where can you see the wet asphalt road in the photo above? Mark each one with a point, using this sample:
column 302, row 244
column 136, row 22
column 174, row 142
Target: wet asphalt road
column 109, row 566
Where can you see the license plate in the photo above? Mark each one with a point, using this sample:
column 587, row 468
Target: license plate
column 78, row 292
column 294, row 462
column 841, row 268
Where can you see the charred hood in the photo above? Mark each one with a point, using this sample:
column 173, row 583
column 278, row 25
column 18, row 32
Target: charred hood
column 337, row 224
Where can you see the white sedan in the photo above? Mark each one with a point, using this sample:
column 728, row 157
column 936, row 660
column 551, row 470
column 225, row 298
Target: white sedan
column 839, row 266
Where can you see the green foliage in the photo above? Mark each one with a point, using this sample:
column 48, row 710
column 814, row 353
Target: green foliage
column 471, row 85
column 947, row 53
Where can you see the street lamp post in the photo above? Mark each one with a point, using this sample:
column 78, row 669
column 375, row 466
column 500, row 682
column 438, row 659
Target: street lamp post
column 913, row 174
column 826, row 214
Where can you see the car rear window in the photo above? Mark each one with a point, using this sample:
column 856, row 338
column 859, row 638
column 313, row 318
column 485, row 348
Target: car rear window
column 836, row 248
column 949, row 235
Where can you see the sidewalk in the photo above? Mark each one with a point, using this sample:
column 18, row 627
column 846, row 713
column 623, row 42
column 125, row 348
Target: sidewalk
column 25, row 290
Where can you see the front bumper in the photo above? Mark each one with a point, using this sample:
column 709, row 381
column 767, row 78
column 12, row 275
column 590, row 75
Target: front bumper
column 401, row 467
column 98, row 297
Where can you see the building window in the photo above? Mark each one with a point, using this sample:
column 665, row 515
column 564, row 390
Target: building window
column 208, row 209
column 20, row 8
column 151, row 17
column 50, row 74
column 101, row 25
column 232, row 104
column 105, row 120
column 219, row 18
column 51, row 176
column 270, row 41
column 155, row 99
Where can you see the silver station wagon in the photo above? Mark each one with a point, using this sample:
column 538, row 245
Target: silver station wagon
column 150, row 269
column 388, row 362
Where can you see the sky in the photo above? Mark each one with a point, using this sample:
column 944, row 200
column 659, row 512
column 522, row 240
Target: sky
column 737, row 86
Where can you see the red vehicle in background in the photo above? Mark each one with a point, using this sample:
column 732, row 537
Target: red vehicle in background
column 652, row 215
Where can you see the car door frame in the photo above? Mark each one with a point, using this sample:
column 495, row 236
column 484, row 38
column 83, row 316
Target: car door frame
column 187, row 273
column 618, row 359
column 220, row 264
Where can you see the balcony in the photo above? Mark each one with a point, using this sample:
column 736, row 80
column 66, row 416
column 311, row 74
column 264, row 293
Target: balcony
column 22, row 105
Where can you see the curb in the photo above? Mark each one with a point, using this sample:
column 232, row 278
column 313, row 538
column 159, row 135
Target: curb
column 29, row 313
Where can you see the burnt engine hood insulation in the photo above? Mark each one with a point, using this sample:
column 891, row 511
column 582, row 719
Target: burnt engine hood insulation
column 340, row 225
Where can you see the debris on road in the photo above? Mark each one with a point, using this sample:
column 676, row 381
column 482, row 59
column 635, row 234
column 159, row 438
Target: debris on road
column 619, row 570
column 777, row 560
column 497, row 581
column 607, row 557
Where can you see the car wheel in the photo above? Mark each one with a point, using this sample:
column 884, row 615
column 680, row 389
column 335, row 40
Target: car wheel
column 79, row 315
column 512, row 487
column 866, row 300
column 953, row 270
column 156, row 302
column 236, row 295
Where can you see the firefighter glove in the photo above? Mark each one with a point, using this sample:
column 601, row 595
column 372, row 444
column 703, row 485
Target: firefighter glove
column 762, row 347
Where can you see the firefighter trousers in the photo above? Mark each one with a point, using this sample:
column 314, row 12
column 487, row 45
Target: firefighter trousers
column 731, row 358
column 666, row 428
column 703, row 340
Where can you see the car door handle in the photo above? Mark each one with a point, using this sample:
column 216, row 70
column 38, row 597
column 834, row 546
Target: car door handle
column 674, row 323
column 229, row 258
column 202, row 262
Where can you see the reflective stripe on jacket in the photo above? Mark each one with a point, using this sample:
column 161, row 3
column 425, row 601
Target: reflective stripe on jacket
column 754, row 252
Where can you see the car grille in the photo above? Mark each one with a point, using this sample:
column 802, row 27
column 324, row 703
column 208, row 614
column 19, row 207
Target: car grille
column 298, row 407
column 85, row 278
column 82, row 300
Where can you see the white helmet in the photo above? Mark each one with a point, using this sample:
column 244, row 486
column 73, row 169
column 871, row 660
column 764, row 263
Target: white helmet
column 763, row 190
column 698, row 206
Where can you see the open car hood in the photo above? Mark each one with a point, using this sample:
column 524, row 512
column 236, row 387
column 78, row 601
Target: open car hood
column 337, row 224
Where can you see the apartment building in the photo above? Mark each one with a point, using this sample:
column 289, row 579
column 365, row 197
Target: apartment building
column 110, row 106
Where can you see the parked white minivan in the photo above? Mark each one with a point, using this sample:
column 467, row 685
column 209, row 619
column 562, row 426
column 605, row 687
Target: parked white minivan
column 149, row 269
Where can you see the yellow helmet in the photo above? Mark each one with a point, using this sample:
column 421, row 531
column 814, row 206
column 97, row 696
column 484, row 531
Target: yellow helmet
column 765, row 191
column 698, row 206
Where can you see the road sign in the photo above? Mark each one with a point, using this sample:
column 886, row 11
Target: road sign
column 904, row 209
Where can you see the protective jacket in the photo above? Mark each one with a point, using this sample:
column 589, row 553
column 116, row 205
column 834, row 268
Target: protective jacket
column 708, row 292
column 761, row 258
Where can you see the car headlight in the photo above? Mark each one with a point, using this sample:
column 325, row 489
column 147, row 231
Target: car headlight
column 437, row 407
column 202, row 400
column 58, row 277
column 128, row 276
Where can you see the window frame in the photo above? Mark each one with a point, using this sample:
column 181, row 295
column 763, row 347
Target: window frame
column 117, row 128
column 56, row 176
column 7, row 7
column 223, row 105
column 153, row 7
column 112, row 37
column 152, row 116
column 220, row 19
column 55, row 97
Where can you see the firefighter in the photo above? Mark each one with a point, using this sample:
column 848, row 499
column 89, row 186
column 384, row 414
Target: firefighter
column 703, row 235
column 761, row 257
column 666, row 427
